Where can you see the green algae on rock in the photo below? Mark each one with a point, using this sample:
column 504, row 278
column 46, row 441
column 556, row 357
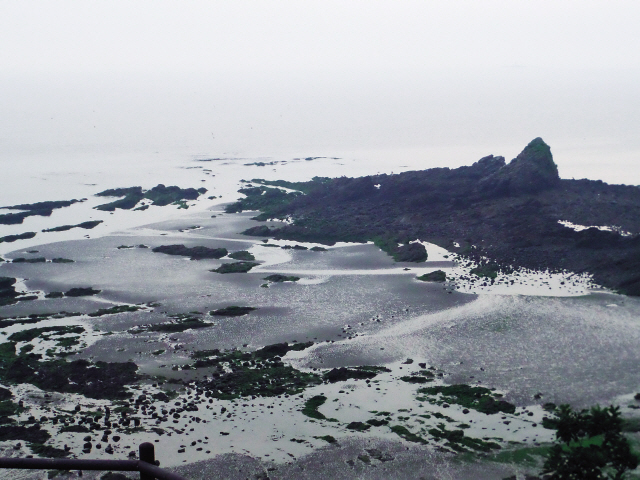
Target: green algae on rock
column 437, row 276
column 311, row 406
column 260, row 373
column 277, row 278
column 507, row 213
column 477, row 398
column 242, row 255
column 235, row 267
column 159, row 195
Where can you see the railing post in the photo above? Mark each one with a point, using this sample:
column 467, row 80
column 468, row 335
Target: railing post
column 147, row 454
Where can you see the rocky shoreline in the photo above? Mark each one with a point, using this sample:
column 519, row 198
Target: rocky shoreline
column 505, row 215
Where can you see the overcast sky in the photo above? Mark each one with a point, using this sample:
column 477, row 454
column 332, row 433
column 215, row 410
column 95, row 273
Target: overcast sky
column 249, row 76
column 279, row 35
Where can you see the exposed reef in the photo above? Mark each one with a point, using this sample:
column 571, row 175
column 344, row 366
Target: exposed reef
column 437, row 276
column 86, row 225
column 180, row 323
column 43, row 209
column 242, row 255
column 159, row 195
column 81, row 292
column 507, row 213
column 95, row 380
column 194, row 253
column 29, row 260
column 277, row 278
column 235, row 267
column 259, row 198
column 232, row 311
column 20, row 236
column 260, row 373
column 409, row 252
column 8, row 292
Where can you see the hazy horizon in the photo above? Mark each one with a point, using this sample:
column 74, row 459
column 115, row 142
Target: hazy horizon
column 441, row 83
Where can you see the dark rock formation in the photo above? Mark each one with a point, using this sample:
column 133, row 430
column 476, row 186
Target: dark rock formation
column 20, row 236
column 235, row 267
column 277, row 278
column 530, row 172
column 29, row 260
column 54, row 295
column 341, row 374
column 261, row 231
column 507, row 213
column 81, row 292
column 195, row 253
column 43, row 209
column 232, row 311
column 99, row 380
column 437, row 276
column 7, row 290
column 159, row 195
column 280, row 349
column 86, row 225
column 411, row 252
column 18, row 432
column 242, row 255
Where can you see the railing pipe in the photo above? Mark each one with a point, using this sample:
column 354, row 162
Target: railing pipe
column 148, row 455
column 146, row 465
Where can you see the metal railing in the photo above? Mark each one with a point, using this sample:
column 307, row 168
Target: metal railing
column 146, row 465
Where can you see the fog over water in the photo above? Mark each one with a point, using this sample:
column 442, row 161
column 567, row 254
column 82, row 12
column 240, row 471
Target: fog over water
column 435, row 84
column 447, row 118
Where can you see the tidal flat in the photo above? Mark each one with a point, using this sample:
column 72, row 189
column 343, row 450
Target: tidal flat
column 344, row 373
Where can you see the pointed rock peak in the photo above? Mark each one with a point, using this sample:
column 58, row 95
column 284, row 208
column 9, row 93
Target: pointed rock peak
column 538, row 153
column 530, row 172
column 539, row 148
column 490, row 163
column 533, row 170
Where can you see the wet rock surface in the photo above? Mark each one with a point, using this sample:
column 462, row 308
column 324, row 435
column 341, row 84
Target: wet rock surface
column 159, row 195
column 195, row 253
column 43, row 209
column 506, row 212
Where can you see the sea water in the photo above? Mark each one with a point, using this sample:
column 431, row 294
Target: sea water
column 537, row 337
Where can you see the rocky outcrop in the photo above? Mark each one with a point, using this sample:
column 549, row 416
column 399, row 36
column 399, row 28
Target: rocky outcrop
column 195, row 253
column 7, row 290
column 507, row 213
column 530, row 172
column 82, row 292
column 43, row 209
column 159, row 195
column 411, row 252
column 437, row 276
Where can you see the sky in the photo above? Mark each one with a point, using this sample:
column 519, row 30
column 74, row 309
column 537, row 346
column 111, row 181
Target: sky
column 264, row 77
